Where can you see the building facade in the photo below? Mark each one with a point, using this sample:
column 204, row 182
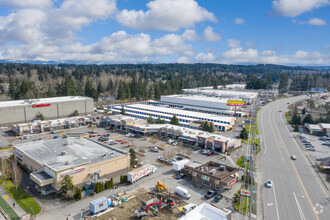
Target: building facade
column 25, row 111
column 83, row 159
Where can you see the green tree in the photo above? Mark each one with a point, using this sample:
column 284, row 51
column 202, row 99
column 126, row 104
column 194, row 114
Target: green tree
column 66, row 185
column 283, row 83
column 174, row 120
column 308, row 119
column 211, row 128
column 122, row 111
column 303, row 112
column 75, row 113
column 296, row 120
column 150, row 120
column 205, row 126
column 244, row 134
column 133, row 156
column 324, row 132
column 40, row 116
column 296, row 128
column 100, row 88
column 158, row 120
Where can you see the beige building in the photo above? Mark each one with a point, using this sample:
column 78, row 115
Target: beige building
column 85, row 160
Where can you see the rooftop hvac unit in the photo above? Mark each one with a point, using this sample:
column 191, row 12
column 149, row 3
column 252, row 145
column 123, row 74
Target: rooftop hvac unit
column 213, row 171
column 222, row 168
column 104, row 155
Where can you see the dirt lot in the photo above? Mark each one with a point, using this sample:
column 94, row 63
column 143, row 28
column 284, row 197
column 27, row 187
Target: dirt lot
column 127, row 210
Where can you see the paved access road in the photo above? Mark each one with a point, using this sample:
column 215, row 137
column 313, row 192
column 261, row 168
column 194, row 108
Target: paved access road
column 297, row 191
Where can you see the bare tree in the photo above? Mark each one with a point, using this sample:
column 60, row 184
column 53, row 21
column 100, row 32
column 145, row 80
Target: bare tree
column 5, row 169
column 17, row 173
column 179, row 147
column 189, row 151
column 153, row 140
column 168, row 154
column 131, row 143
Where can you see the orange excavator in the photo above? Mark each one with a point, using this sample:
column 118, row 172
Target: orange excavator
column 161, row 186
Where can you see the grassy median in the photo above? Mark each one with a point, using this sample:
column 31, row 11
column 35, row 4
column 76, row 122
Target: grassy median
column 287, row 117
column 4, row 205
column 27, row 203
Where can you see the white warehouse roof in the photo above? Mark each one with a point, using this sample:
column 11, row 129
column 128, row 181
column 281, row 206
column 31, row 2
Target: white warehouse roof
column 206, row 212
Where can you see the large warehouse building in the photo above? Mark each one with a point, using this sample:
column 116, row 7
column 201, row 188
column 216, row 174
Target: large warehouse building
column 24, row 111
column 49, row 161
column 221, row 123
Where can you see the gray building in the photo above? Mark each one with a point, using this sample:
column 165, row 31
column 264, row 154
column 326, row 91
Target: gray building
column 24, row 111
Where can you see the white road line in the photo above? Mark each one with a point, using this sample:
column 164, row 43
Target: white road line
column 299, row 208
column 278, row 215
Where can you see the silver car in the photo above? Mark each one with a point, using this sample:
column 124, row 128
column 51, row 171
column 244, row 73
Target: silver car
column 269, row 183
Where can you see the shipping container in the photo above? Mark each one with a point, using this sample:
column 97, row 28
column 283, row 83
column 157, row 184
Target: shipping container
column 98, row 205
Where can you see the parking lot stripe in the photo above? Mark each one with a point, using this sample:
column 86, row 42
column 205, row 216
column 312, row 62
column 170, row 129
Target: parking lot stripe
column 117, row 136
column 165, row 146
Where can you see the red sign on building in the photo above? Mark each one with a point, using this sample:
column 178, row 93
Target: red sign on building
column 40, row 105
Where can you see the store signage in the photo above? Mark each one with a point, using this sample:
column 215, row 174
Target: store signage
column 40, row 105
column 73, row 172
column 233, row 181
column 235, row 103
column 245, row 193
column 317, row 90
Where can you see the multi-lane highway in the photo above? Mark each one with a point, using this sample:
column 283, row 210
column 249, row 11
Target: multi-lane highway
column 297, row 191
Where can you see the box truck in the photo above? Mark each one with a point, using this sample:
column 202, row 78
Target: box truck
column 145, row 170
column 99, row 205
column 179, row 165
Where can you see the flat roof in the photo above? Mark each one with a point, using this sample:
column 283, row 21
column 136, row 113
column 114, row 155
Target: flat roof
column 205, row 212
column 196, row 98
column 41, row 101
column 325, row 125
column 220, row 174
column 181, row 112
column 64, row 153
column 223, row 92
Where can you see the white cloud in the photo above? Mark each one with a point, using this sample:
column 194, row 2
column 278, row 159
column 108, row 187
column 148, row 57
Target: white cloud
column 211, row 36
column 302, row 54
column 205, row 58
column 190, row 35
column 238, row 55
column 27, row 3
column 232, row 43
column 182, row 59
column 250, row 43
column 168, row 15
column 293, row 8
column 170, row 44
column 239, row 21
column 317, row 21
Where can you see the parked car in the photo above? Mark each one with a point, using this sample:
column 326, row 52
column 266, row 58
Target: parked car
column 109, row 128
column 119, row 140
column 100, row 135
column 160, row 158
column 179, row 158
column 174, row 143
column 170, row 141
column 324, row 138
column 205, row 151
column 269, row 183
column 326, row 143
column 124, row 142
column 188, row 208
column 293, row 157
column 106, row 135
column 53, row 132
column 133, row 135
column 210, row 194
column 154, row 149
column 128, row 135
column 26, row 137
column 218, row 197
column 310, row 148
column 113, row 143
column 180, row 176
column 92, row 135
column 210, row 153
column 55, row 137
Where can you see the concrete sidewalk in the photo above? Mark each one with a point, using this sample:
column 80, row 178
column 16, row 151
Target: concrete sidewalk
column 19, row 211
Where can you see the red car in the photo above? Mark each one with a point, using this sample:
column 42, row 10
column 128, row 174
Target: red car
column 210, row 153
column 124, row 142
column 92, row 135
column 119, row 140
column 109, row 128
column 100, row 135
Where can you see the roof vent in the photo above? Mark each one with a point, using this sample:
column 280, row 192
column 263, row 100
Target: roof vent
column 104, row 155
column 222, row 168
column 213, row 171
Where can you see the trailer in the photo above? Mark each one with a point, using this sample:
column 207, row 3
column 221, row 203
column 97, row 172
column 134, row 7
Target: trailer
column 179, row 165
column 137, row 174
column 99, row 205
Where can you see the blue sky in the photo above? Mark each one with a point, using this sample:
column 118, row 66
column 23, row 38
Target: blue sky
column 289, row 32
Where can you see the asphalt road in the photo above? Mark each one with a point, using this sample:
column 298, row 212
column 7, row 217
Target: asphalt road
column 297, row 191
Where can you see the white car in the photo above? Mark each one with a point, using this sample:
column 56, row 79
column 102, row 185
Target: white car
column 128, row 135
column 326, row 143
column 174, row 143
column 170, row 141
column 269, row 183
column 293, row 157
column 26, row 137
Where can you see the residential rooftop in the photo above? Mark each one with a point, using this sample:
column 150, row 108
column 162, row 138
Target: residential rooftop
column 63, row 153
column 42, row 101
column 213, row 169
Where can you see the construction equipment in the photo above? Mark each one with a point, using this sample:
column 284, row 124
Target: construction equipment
column 161, row 186
column 155, row 204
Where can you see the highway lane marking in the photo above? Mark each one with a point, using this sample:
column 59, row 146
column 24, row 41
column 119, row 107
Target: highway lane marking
column 278, row 215
column 310, row 202
column 278, row 147
column 299, row 208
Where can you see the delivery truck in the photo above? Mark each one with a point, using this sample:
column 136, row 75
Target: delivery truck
column 145, row 170
column 99, row 205
column 179, row 165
